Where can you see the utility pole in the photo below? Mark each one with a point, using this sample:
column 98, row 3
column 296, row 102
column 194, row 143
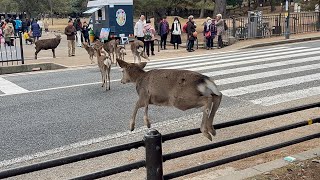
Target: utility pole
column 287, row 33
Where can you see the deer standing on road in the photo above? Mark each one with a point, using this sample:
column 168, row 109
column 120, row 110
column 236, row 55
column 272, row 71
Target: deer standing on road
column 104, row 64
column 170, row 87
column 137, row 49
column 90, row 50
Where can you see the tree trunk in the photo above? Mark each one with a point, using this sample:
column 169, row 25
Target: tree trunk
column 202, row 9
column 220, row 8
column 272, row 5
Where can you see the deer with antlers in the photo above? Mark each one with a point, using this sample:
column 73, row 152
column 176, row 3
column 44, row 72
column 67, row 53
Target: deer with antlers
column 170, row 87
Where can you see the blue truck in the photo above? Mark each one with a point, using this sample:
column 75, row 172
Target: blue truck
column 115, row 17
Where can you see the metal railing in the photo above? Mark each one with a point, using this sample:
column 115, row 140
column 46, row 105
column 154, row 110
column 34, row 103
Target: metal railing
column 266, row 26
column 11, row 52
column 153, row 147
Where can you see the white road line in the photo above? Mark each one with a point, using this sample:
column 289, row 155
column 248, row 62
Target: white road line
column 161, row 61
column 210, row 59
column 279, row 56
column 8, row 87
column 270, row 85
column 257, row 67
column 56, row 88
column 266, row 74
column 286, row 97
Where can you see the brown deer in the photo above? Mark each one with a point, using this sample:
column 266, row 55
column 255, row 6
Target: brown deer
column 170, row 87
column 104, row 64
column 120, row 52
column 90, row 50
column 137, row 49
column 109, row 47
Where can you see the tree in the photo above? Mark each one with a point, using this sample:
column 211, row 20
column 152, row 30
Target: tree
column 220, row 7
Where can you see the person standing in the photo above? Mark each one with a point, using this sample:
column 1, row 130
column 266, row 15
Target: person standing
column 164, row 30
column 85, row 32
column 149, row 33
column 18, row 26
column 40, row 25
column 78, row 25
column 36, row 30
column 220, row 29
column 191, row 31
column 209, row 32
column 138, row 28
column 46, row 26
column 176, row 33
column 8, row 32
column 71, row 31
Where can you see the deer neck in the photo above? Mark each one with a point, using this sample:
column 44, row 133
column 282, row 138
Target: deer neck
column 138, row 76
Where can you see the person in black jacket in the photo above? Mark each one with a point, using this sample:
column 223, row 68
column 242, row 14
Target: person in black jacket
column 191, row 28
column 85, row 32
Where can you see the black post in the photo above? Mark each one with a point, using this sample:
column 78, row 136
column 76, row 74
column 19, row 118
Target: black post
column 153, row 145
column 21, row 48
column 233, row 26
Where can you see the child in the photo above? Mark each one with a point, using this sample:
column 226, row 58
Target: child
column 27, row 37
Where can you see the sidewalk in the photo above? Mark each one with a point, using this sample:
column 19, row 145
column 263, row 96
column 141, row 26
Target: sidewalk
column 82, row 58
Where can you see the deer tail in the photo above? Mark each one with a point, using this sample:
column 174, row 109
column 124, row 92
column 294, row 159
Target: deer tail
column 208, row 87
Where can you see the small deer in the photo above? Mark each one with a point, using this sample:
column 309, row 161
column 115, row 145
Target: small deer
column 170, row 87
column 104, row 64
column 90, row 50
column 120, row 52
column 110, row 48
column 137, row 49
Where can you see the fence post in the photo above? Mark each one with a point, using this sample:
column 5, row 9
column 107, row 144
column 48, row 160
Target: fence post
column 153, row 145
column 233, row 26
column 21, row 48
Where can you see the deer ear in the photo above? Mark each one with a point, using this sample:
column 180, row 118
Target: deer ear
column 142, row 65
column 122, row 63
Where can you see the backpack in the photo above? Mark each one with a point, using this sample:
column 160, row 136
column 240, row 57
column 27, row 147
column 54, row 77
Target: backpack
column 184, row 28
column 225, row 25
column 148, row 35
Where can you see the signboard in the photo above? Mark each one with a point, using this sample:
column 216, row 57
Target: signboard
column 104, row 33
column 121, row 17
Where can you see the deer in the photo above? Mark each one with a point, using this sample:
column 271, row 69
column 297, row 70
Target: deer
column 137, row 49
column 109, row 47
column 90, row 50
column 181, row 89
column 120, row 52
column 104, row 64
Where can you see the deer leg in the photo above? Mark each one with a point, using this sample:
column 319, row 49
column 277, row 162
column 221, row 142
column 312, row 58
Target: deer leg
column 102, row 77
column 139, row 58
column 36, row 53
column 203, row 127
column 54, row 53
column 145, row 117
column 215, row 105
column 133, row 118
column 109, row 69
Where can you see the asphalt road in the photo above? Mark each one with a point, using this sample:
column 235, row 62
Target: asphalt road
column 45, row 110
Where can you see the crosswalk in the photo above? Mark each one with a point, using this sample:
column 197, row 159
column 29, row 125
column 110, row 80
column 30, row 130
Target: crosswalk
column 262, row 76
column 265, row 77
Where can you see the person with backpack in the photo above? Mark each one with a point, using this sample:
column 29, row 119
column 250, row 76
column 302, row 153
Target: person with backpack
column 149, row 33
column 164, row 31
column 191, row 33
column 176, row 33
column 220, row 29
column 209, row 32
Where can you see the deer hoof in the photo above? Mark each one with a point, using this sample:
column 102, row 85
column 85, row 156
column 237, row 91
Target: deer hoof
column 131, row 126
column 212, row 132
column 207, row 135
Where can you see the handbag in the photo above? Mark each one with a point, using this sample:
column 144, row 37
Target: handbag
column 208, row 34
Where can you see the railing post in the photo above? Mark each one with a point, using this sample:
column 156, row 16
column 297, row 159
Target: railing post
column 153, row 145
column 233, row 26
column 21, row 48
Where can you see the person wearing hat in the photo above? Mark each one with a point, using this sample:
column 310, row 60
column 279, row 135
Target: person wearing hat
column 149, row 33
column 209, row 32
column 220, row 29
column 191, row 32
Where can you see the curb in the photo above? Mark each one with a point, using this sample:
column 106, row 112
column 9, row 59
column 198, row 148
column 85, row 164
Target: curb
column 281, row 42
column 262, row 168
